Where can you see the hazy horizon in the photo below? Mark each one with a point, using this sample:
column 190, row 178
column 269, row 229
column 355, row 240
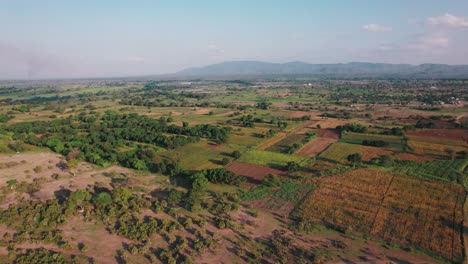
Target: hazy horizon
column 55, row 39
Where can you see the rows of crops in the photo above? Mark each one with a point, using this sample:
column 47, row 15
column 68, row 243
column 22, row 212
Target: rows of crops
column 358, row 138
column 443, row 170
column 404, row 210
column 339, row 152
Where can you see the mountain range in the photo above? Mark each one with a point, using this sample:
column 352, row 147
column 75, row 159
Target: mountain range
column 338, row 70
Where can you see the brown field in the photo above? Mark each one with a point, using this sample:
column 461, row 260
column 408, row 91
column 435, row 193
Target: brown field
column 325, row 138
column 403, row 210
column 433, row 149
column 369, row 153
column 271, row 141
column 253, row 172
column 452, row 134
column 415, row 157
column 332, row 123
column 28, row 166
column 439, row 124
column 327, row 133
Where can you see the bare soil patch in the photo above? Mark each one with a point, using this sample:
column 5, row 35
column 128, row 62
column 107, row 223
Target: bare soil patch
column 452, row 134
column 326, row 137
column 369, row 153
column 28, row 166
column 253, row 172
column 415, row 157
column 102, row 245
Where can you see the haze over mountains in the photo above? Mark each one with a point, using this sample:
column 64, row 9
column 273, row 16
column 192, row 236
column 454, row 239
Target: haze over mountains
column 339, row 70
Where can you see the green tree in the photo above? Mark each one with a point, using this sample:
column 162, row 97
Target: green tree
column 355, row 158
column 236, row 154
column 121, row 195
column 293, row 166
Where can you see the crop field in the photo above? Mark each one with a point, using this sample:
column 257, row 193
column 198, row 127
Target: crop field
column 368, row 153
column 271, row 159
column 285, row 144
column 280, row 200
column 435, row 149
column 272, row 141
column 325, row 138
column 443, row 170
column 246, row 137
column 253, row 172
column 357, row 138
column 339, row 152
column 414, row 157
column 407, row 211
column 440, row 141
column 442, row 134
column 193, row 157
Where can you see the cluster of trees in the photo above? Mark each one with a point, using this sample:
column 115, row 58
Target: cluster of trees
column 375, row 143
column 250, row 120
column 5, row 118
column 40, row 256
column 395, row 131
column 221, row 175
column 97, row 139
column 352, row 128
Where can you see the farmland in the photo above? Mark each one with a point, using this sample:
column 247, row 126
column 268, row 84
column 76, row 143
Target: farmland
column 229, row 171
column 285, row 144
column 339, row 152
column 391, row 207
column 271, row 159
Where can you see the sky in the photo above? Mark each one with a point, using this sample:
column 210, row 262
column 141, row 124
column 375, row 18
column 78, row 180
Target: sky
column 113, row 38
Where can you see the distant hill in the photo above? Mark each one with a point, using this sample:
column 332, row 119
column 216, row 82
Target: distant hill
column 339, row 70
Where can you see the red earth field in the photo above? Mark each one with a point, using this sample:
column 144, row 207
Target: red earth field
column 253, row 172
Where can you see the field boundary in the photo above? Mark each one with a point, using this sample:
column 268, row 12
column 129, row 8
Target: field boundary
column 381, row 204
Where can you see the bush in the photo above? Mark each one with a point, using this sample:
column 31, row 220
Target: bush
column 225, row 161
column 236, row 154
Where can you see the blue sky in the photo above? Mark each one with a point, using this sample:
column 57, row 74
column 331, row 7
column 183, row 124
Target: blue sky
column 60, row 39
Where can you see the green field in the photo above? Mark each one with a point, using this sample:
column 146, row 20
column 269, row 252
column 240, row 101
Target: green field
column 358, row 138
column 285, row 144
column 443, row 170
column 339, row 152
column 271, row 159
column 194, row 157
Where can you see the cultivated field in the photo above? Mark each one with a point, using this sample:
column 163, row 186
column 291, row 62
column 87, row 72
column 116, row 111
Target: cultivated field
column 339, row 152
column 271, row 159
column 419, row 213
column 324, row 139
column 253, row 172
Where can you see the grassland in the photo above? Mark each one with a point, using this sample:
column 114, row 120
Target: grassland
column 339, row 152
column 285, row 144
column 358, row 138
column 271, row 159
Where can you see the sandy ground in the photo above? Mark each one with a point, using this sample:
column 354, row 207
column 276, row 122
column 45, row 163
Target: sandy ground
column 23, row 165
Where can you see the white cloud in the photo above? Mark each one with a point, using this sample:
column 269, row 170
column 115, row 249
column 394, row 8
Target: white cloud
column 449, row 20
column 376, row 28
